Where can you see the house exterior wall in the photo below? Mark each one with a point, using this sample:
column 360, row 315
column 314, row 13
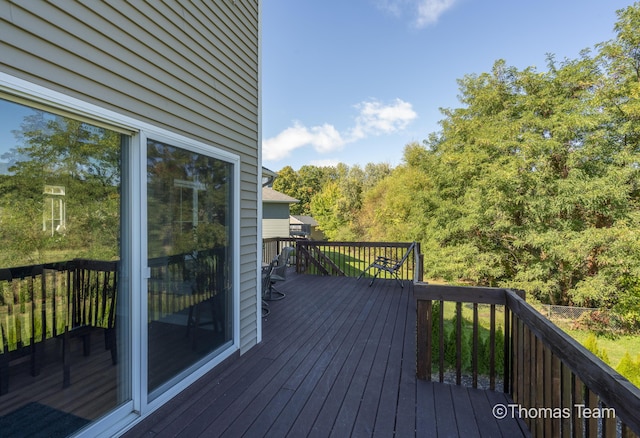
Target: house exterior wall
column 190, row 67
column 275, row 228
column 186, row 67
column 275, row 220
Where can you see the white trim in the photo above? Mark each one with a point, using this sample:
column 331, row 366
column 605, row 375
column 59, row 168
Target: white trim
column 32, row 94
column 138, row 259
column 140, row 355
column 27, row 93
column 259, row 206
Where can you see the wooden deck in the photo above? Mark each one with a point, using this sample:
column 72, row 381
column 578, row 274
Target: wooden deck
column 337, row 359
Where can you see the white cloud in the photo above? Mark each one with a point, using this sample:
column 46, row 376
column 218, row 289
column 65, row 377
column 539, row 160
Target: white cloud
column 426, row 12
column 323, row 138
column 374, row 118
column 430, row 10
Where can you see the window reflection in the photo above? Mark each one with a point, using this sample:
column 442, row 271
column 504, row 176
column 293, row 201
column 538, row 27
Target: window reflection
column 61, row 290
column 189, row 245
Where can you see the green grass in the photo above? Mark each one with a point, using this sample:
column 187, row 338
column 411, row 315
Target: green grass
column 616, row 347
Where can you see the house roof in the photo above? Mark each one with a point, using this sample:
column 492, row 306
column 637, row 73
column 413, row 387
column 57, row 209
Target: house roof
column 308, row 220
column 268, row 176
column 273, row 196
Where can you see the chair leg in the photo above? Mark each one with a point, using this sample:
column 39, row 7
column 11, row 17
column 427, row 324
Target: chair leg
column 66, row 365
column 400, row 282
column 272, row 290
column 364, row 272
column 374, row 277
column 4, row 372
column 110, row 343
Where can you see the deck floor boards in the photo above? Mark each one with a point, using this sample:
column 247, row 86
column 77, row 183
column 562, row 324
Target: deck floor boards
column 337, row 359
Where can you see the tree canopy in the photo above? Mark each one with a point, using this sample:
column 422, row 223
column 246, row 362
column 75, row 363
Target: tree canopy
column 531, row 183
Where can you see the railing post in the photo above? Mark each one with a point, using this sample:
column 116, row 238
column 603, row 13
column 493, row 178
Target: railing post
column 418, row 260
column 423, row 337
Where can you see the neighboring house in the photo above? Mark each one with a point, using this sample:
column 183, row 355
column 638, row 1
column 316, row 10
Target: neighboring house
column 275, row 213
column 147, row 113
column 305, row 227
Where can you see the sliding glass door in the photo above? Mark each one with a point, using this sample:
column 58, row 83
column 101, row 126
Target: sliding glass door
column 189, row 241
column 65, row 319
column 89, row 339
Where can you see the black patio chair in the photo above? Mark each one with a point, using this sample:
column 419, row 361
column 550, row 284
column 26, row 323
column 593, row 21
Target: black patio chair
column 278, row 273
column 92, row 294
column 389, row 265
column 266, row 284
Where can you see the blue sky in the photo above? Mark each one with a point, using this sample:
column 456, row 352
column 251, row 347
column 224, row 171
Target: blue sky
column 354, row 81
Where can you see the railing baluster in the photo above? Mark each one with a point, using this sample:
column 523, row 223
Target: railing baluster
column 578, row 399
column 458, row 343
column 565, row 399
column 538, row 377
column 592, row 423
column 441, row 342
column 508, row 357
column 556, row 394
column 474, row 349
column 492, row 348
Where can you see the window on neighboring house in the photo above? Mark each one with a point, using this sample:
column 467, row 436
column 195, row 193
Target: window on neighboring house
column 54, row 217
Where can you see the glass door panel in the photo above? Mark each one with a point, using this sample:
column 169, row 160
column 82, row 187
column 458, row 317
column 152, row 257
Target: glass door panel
column 64, row 317
column 189, row 255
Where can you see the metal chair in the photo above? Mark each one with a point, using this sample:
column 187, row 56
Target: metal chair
column 266, row 284
column 278, row 273
column 388, row 265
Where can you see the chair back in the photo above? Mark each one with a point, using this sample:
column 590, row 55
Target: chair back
column 400, row 262
column 266, row 275
column 92, row 299
column 280, row 268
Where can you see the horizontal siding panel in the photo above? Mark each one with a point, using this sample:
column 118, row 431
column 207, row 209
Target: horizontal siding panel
column 146, row 90
column 223, row 138
column 249, row 225
column 234, row 41
column 275, row 228
column 226, row 65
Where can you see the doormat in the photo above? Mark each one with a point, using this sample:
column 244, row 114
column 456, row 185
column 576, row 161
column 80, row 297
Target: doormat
column 38, row 420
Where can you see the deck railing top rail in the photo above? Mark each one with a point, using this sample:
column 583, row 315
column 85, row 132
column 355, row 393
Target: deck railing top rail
column 614, row 390
column 535, row 346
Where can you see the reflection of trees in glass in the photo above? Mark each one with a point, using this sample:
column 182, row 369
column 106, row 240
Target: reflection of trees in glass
column 85, row 161
column 188, row 200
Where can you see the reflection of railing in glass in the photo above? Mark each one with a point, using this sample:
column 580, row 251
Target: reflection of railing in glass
column 42, row 302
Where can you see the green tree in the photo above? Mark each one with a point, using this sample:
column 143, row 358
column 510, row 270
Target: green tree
column 84, row 160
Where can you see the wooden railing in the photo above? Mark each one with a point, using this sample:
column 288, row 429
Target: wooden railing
column 272, row 246
column 69, row 298
column 181, row 281
column 559, row 388
column 345, row 258
column 42, row 302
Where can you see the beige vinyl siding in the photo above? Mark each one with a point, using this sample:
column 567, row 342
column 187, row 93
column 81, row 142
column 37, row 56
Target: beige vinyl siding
column 275, row 228
column 187, row 66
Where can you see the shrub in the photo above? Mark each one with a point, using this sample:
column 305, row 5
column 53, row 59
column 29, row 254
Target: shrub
column 591, row 344
column 630, row 368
